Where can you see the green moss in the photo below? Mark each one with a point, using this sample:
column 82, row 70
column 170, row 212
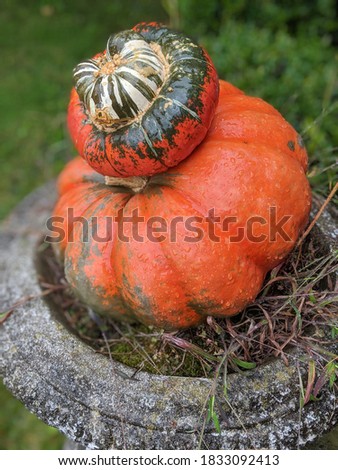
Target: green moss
column 150, row 356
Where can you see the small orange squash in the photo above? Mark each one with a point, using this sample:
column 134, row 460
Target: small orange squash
column 144, row 104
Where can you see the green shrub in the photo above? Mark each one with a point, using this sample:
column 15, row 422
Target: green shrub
column 317, row 17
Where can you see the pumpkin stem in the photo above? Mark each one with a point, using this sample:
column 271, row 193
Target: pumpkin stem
column 136, row 183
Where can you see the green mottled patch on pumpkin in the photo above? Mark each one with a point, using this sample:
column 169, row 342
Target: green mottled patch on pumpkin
column 291, row 145
column 205, row 307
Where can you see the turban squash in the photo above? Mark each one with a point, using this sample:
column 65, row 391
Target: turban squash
column 250, row 167
column 143, row 104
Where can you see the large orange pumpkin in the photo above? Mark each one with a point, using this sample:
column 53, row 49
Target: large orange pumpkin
column 200, row 237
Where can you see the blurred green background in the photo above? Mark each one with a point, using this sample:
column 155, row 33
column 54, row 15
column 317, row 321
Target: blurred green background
column 283, row 51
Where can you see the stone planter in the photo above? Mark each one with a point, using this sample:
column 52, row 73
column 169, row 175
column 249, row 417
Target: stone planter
column 103, row 405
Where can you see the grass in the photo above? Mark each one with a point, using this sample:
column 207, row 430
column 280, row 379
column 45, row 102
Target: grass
column 293, row 68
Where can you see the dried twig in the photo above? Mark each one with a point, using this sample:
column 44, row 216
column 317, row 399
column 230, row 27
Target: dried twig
column 319, row 213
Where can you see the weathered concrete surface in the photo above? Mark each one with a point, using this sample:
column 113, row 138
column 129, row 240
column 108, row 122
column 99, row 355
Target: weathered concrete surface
column 67, row 385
